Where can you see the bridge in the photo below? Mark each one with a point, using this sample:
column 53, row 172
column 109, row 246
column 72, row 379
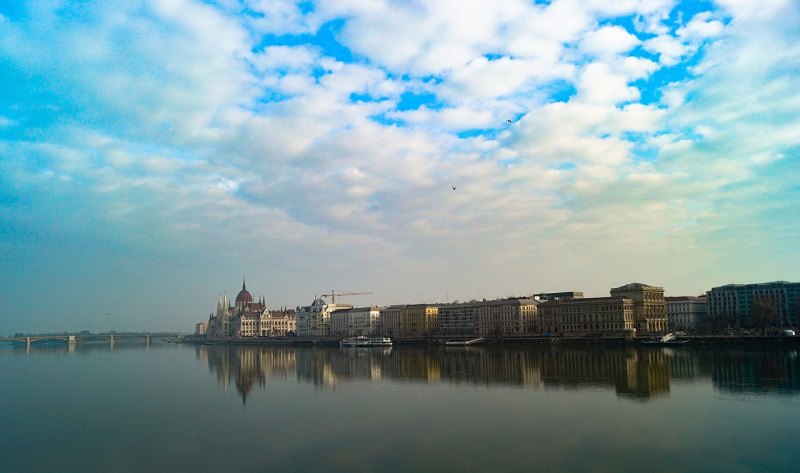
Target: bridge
column 112, row 338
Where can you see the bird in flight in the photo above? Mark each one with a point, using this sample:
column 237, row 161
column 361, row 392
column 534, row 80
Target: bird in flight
column 454, row 187
column 509, row 121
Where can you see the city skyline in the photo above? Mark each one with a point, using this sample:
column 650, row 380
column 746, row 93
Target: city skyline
column 154, row 153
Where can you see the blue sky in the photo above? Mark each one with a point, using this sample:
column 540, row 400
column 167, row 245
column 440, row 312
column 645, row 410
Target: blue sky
column 153, row 153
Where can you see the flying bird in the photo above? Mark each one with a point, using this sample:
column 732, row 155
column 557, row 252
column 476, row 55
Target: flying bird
column 454, row 187
column 509, row 121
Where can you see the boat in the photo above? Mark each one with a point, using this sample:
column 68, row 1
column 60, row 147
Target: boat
column 667, row 340
column 362, row 341
column 463, row 343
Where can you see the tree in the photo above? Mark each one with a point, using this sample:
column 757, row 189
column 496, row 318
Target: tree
column 764, row 313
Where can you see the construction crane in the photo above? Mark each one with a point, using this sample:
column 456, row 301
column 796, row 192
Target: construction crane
column 335, row 293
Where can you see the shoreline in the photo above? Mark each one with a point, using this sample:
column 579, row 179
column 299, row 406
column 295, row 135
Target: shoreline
column 435, row 341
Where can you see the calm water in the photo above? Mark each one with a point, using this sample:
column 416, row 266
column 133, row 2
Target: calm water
column 177, row 408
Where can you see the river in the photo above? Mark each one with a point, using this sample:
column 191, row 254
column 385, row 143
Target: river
column 173, row 408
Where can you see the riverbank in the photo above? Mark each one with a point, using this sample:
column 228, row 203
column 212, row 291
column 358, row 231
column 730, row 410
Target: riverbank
column 417, row 341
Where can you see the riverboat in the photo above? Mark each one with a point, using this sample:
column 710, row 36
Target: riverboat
column 362, row 341
column 667, row 340
column 463, row 343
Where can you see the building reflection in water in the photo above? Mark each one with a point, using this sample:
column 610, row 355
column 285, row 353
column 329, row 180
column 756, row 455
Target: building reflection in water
column 247, row 366
column 763, row 372
column 633, row 373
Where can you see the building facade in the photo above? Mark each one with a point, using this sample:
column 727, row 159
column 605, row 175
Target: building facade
column 351, row 322
column 315, row 320
column 512, row 316
column 650, row 308
column 732, row 305
column 457, row 319
column 632, row 309
column 389, row 322
column 364, row 321
column 592, row 316
column 278, row 323
column 686, row 313
column 247, row 314
column 419, row 320
column 557, row 296
column 247, row 318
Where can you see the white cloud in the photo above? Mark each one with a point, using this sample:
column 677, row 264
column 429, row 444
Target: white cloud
column 638, row 67
column 291, row 58
column 701, row 26
column 599, row 84
column 636, row 117
column 623, row 7
column 485, row 79
column 278, row 17
column 669, row 49
column 757, row 10
column 609, row 40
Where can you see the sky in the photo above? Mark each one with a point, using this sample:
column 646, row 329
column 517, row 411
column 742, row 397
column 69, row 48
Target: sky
column 155, row 153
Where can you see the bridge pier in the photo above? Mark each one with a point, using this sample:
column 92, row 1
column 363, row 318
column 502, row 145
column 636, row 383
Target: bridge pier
column 147, row 339
column 111, row 339
column 72, row 340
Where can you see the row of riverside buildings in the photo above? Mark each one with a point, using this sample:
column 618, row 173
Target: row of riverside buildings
column 631, row 310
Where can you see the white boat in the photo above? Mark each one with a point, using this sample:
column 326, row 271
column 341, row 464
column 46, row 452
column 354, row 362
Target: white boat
column 668, row 339
column 463, row 343
column 362, row 341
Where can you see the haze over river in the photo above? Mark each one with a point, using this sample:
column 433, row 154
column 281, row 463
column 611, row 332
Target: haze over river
column 173, row 408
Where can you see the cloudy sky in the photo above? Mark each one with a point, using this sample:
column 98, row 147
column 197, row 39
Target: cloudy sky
column 154, row 153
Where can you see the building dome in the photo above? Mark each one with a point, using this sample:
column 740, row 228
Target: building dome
column 244, row 295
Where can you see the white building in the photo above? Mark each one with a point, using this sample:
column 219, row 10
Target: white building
column 315, row 320
column 340, row 322
column 351, row 322
column 200, row 329
column 278, row 323
column 686, row 313
column 364, row 321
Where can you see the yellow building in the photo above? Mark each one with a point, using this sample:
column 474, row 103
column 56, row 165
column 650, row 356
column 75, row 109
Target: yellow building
column 650, row 308
column 592, row 316
column 278, row 323
column 513, row 316
column 419, row 320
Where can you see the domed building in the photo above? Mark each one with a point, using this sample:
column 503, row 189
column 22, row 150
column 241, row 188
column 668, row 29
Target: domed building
column 244, row 297
column 247, row 318
column 241, row 319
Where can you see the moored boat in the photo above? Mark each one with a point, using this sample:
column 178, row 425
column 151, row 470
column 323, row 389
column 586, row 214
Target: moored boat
column 667, row 340
column 463, row 343
column 362, row 341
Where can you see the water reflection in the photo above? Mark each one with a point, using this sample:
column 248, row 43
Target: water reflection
column 633, row 373
column 745, row 372
column 84, row 347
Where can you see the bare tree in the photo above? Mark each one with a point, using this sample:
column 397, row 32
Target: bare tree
column 764, row 313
